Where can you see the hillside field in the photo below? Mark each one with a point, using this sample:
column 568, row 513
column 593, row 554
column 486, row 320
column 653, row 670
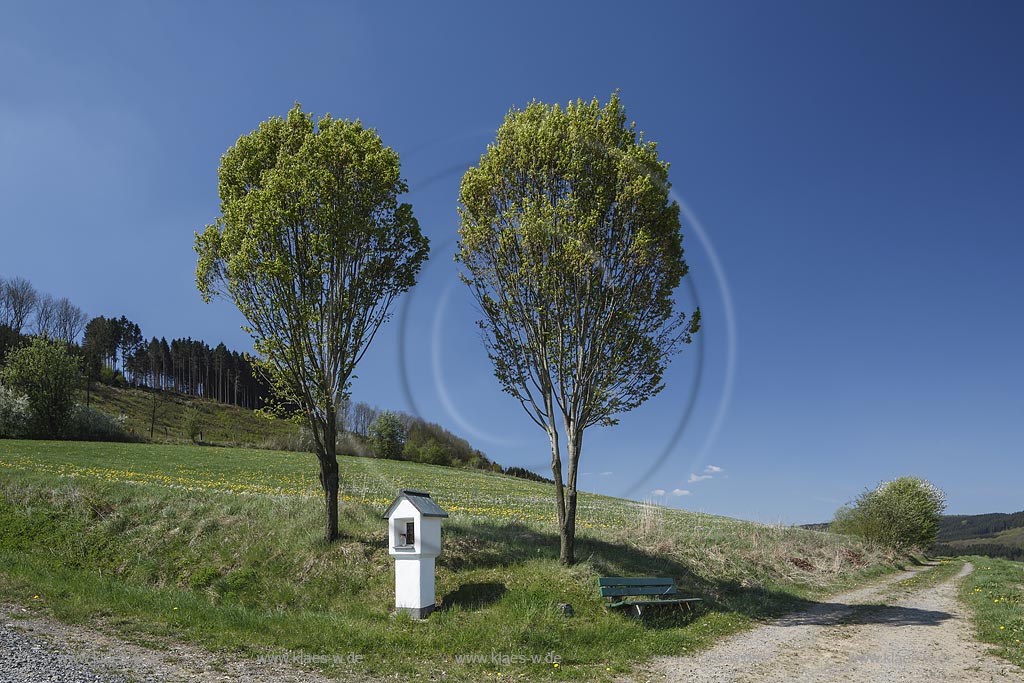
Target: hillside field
column 994, row 535
column 222, row 424
column 222, row 547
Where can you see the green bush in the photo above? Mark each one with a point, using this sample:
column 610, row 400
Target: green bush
column 902, row 514
column 48, row 376
column 193, row 424
column 387, row 436
column 89, row 424
column 434, row 453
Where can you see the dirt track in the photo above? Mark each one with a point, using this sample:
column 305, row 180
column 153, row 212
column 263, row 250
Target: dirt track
column 920, row 637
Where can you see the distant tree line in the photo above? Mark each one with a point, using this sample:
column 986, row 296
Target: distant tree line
column 1010, row 552
column 115, row 350
column 371, row 432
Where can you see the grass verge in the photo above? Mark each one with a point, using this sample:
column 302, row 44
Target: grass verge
column 221, row 547
column 995, row 594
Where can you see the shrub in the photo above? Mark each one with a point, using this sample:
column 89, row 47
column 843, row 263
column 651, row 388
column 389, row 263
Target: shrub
column 299, row 440
column 14, row 413
column 193, row 423
column 899, row 514
column 89, row 424
column 387, row 436
column 47, row 375
column 434, row 453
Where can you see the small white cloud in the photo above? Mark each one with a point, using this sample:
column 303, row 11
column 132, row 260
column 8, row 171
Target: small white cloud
column 713, row 469
column 697, row 477
column 658, row 492
column 680, row 492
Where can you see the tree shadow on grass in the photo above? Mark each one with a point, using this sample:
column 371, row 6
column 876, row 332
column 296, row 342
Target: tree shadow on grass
column 482, row 545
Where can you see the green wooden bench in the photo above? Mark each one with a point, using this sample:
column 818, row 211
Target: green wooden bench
column 656, row 591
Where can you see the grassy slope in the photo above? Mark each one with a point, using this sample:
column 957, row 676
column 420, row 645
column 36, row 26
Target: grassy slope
column 1013, row 537
column 223, row 425
column 995, row 593
column 221, row 547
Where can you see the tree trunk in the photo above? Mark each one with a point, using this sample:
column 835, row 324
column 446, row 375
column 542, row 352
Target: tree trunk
column 567, row 528
column 566, row 532
column 329, row 480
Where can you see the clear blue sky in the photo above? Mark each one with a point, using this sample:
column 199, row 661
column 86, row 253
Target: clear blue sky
column 857, row 168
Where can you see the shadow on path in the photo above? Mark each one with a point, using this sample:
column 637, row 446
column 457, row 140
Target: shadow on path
column 839, row 614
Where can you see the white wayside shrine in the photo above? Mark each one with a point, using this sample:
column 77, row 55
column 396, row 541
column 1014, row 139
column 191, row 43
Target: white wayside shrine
column 414, row 540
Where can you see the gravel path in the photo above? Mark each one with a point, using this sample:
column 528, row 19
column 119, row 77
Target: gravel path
column 922, row 637
column 25, row 658
column 36, row 649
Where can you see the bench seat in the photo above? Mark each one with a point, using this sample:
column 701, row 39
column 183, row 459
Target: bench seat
column 658, row 588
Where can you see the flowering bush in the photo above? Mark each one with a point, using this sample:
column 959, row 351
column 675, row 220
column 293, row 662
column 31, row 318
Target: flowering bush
column 14, row 413
column 89, row 424
column 901, row 514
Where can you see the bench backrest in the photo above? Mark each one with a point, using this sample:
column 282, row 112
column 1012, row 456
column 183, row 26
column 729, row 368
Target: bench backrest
column 619, row 586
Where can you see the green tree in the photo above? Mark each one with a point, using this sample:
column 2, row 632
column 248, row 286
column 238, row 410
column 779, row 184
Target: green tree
column 572, row 248
column 48, row 376
column 900, row 514
column 312, row 246
column 387, row 436
column 434, row 453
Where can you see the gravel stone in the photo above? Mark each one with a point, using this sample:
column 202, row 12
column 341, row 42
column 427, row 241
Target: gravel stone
column 29, row 658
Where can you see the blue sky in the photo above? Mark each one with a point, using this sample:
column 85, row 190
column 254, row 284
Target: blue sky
column 854, row 170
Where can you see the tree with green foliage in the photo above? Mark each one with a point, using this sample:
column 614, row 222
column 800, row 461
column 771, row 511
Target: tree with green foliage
column 901, row 514
column 47, row 375
column 387, row 436
column 572, row 249
column 312, row 246
column 193, row 423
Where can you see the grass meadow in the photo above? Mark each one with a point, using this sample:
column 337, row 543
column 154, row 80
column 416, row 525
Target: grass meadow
column 995, row 593
column 222, row 547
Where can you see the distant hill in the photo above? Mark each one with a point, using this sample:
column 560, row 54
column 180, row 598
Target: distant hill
column 162, row 416
column 995, row 534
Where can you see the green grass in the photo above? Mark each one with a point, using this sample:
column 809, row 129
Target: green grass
column 995, row 593
column 222, row 547
column 222, row 424
column 942, row 571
